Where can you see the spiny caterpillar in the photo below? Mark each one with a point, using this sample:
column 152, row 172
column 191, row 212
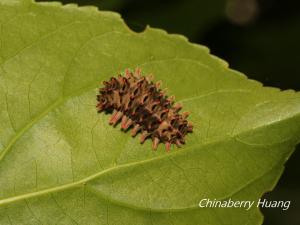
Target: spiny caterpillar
column 141, row 104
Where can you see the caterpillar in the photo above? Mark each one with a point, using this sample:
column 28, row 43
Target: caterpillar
column 140, row 104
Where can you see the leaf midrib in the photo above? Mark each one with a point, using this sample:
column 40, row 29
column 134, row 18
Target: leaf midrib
column 132, row 164
column 85, row 181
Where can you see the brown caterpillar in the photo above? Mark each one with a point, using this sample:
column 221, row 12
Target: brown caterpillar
column 139, row 103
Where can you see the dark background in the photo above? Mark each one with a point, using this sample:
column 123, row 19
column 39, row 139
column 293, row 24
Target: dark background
column 257, row 37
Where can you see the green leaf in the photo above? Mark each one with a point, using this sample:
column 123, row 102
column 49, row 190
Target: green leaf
column 60, row 161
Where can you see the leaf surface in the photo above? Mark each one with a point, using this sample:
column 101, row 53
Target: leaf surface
column 60, row 161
